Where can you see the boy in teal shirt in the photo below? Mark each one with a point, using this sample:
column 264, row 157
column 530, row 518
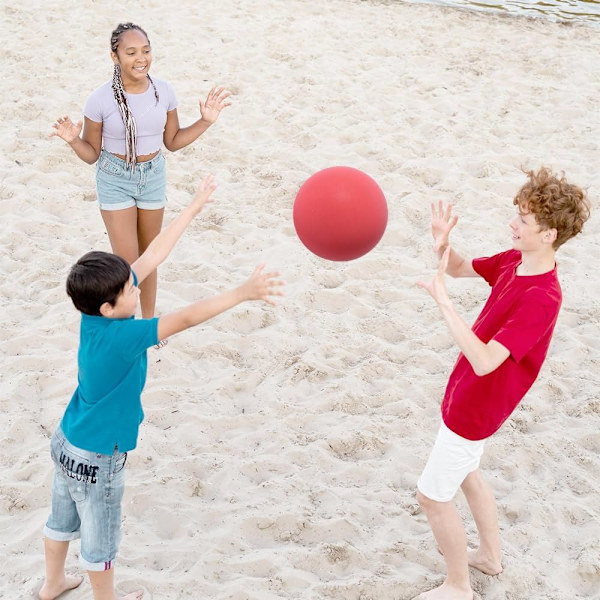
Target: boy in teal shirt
column 101, row 422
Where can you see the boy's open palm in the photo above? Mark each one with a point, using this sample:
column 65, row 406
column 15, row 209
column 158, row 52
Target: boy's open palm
column 260, row 286
column 207, row 186
column 437, row 286
column 65, row 129
column 442, row 223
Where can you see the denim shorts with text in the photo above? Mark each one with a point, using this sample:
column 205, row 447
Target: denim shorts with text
column 87, row 491
column 119, row 187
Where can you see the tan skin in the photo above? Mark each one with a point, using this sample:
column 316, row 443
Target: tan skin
column 537, row 256
column 131, row 230
column 259, row 286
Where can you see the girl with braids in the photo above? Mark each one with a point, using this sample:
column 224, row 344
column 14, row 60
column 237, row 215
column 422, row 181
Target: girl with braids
column 126, row 121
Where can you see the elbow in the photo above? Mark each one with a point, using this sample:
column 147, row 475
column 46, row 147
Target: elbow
column 92, row 159
column 171, row 146
column 481, row 371
column 484, row 368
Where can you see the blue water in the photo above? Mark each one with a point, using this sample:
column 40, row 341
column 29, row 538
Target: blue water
column 578, row 11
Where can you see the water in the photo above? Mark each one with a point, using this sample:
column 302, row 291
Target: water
column 578, row 11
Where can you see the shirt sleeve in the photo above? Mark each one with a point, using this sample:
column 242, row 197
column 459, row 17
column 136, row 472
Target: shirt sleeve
column 535, row 314
column 487, row 267
column 172, row 101
column 136, row 336
column 92, row 109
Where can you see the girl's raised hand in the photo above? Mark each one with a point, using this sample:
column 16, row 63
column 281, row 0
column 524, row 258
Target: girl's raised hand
column 66, row 129
column 215, row 103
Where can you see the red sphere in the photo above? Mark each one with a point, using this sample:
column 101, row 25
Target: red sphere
column 340, row 213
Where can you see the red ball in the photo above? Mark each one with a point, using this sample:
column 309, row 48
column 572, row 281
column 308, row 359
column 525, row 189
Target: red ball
column 340, row 213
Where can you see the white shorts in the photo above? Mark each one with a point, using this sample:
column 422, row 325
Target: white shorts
column 452, row 458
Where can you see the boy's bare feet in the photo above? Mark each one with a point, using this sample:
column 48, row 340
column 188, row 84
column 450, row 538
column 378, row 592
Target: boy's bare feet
column 51, row 592
column 485, row 564
column 446, row 592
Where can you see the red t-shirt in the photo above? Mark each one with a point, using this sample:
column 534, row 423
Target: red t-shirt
column 520, row 314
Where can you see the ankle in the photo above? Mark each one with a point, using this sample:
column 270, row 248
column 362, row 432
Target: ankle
column 461, row 585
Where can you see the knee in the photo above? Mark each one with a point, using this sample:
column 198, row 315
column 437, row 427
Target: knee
column 425, row 502
column 473, row 482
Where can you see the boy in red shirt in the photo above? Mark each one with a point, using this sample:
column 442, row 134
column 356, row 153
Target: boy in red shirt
column 500, row 359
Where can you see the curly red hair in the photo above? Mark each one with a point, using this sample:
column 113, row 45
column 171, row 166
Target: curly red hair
column 555, row 203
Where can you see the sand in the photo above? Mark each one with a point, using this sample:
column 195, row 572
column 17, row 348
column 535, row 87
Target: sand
column 282, row 445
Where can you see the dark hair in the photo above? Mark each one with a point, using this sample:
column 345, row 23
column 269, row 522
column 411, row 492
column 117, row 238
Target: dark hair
column 96, row 278
column 555, row 203
column 119, row 93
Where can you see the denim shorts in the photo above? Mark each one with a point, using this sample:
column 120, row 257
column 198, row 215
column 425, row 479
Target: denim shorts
column 86, row 501
column 452, row 458
column 119, row 187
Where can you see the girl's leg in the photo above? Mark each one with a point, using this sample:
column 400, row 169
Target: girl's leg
column 121, row 226
column 122, row 229
column 488, row 558
column 149, row 224
column 56, row 581
column 103, row 586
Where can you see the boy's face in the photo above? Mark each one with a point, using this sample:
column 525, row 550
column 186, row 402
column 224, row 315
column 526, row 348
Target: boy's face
column 127, row 301
column 527, row 235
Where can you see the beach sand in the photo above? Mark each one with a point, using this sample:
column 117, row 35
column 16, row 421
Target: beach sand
column 281, row 446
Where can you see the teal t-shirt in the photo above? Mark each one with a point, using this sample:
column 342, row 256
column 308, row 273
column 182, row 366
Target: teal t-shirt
column 106, row 408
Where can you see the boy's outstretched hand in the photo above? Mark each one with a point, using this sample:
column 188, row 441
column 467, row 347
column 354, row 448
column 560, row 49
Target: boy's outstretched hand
column 207, row 186
column 437, row 286
column 260, row 286
column 442, row 223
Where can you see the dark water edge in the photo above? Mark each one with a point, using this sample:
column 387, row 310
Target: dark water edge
column 564, row 11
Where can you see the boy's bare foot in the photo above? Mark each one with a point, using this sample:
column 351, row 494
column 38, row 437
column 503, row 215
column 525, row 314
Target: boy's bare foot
column 485, row 564
column 133, row 596
column 446, row 592
column 48, row 592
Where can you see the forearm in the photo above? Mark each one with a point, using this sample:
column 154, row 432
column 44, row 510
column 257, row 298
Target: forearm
column 199, row 312
column 476, row 352
column 85, row 151
column 187, row 135
column 165, row 241
column 456, row 262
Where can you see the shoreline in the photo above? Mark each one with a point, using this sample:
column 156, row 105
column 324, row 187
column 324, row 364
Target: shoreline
column 554, row 15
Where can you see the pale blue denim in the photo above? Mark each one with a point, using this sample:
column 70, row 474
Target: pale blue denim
column 119, row 187
column 87, row 491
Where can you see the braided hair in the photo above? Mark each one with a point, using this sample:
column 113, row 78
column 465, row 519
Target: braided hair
column 120, row 98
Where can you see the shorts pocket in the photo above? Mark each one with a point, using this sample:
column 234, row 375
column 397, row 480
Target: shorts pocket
column 159, row 164
column 110, row 168
column 120, row 463
column 78, row 471
column 78, row 490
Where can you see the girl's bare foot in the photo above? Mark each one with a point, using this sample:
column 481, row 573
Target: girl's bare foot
column 51, row 592
column 485, row 564
column 446, row 592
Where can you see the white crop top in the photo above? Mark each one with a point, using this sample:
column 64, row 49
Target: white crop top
column 150, row 117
